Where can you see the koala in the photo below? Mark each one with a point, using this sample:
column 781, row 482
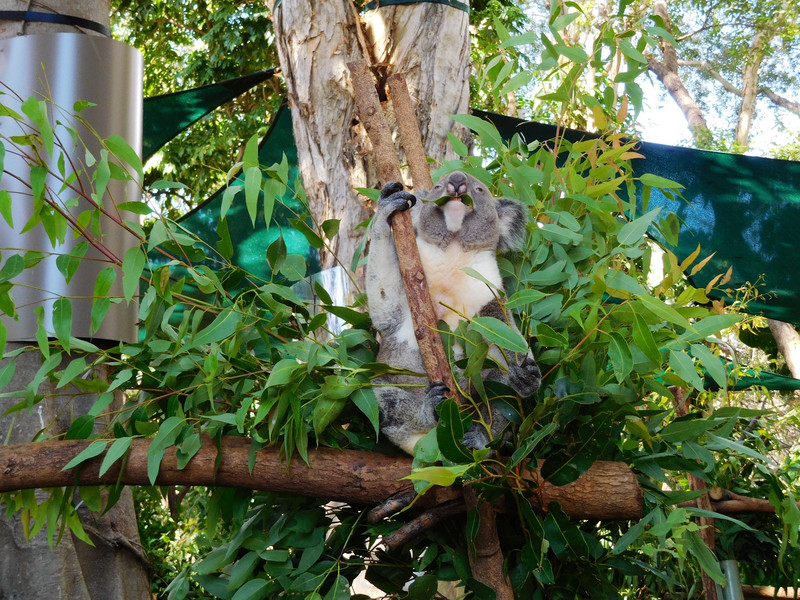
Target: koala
column 461, row 225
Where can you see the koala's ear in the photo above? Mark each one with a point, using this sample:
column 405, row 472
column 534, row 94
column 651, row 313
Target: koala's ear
column 511, row 222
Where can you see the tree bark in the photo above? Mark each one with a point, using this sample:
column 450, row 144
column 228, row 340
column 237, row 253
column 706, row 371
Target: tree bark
column 29, row 569
column 98, row 11
column 607, row 491
column 427, row 42
column 316, row 39
column 788, row 340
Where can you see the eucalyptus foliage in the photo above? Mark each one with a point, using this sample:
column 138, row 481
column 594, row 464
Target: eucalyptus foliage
column 223, row 353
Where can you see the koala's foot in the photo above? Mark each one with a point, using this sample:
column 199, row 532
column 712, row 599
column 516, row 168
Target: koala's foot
column 435, row 392
column 526, row 377
column 476, row 437
column 393, row 199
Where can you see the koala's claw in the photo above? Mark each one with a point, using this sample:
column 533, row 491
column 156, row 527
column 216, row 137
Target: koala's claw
column 393, row 199
column 391, row 188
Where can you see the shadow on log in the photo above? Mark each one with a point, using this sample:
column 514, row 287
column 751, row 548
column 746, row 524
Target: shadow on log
column 609, row 490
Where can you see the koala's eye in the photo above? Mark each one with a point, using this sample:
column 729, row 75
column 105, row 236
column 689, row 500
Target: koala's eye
column 479, row 189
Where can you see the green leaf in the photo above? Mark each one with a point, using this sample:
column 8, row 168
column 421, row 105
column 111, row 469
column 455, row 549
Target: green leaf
column 62, row 321
column 96, row 448
column 500, row 333
column 643, row 338
column 81, row 428
column 659, row 182
column 252, row 188
column 444, row 476
column 122, row 150
column 704, row 556
column 255, row 589
column 713, row 364
column 487, row 132
column 682, row 364
column 132, row 267
column 366, row 401
column 139, row 208
column 621, row 357
column 687, row 429
column 36, row 110
column 325, row 411
column 168, row 432
column 713, row 324
column 282, row 371
column 633, row 232
column 272, row 190
column 664, row 311
column 5, row 207
column 223, row 326
column 14, row 265
column 73, row 369
column 117, row 451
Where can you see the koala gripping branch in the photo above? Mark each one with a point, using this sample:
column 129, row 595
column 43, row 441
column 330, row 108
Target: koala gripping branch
column 416, row 286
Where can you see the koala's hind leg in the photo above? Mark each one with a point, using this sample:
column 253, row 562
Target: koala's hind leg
column 407, row 416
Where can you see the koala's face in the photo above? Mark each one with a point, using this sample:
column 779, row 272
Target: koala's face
column 460, row 187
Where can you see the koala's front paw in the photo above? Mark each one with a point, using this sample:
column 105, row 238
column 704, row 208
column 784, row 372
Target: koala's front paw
column 393, row 199
column 525, row 377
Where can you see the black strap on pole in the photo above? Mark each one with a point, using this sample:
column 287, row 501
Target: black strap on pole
column 41, row 17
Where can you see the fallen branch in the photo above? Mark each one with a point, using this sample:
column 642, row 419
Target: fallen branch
column 751, row 591
column 608, row 491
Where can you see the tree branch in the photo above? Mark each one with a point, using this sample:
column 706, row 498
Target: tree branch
column 608, row 491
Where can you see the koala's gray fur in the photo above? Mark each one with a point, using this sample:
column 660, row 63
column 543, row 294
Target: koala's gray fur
column 450, row 237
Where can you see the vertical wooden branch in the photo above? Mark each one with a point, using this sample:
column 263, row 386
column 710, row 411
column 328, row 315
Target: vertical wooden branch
column 416, row 286
column 410, row 137
column 487, row 562
column 707, row 534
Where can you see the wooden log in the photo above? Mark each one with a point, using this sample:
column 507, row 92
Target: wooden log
column 752, row 591
column 411, row 271
column 607, row 491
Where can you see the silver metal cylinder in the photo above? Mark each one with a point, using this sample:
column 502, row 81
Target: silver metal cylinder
column 66, row 68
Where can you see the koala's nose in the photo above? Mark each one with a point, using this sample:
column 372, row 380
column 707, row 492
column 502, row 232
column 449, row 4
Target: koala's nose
column 456, row 184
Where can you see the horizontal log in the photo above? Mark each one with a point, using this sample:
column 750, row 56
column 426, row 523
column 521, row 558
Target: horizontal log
column 609, row 490
column 752, row 591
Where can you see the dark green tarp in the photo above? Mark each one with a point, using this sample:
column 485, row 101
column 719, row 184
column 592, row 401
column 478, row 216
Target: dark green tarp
column 167, row 115
column 744, row 209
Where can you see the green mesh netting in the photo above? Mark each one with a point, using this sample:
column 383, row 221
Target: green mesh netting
column 742, row 208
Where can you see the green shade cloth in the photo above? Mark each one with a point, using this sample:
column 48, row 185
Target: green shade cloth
column 743, row 209
column 167, row 115
column 251, row 242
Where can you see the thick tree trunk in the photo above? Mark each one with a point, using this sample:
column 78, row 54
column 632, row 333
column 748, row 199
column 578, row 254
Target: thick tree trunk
column 427, row 42
column 316, row 39
column 115, row 567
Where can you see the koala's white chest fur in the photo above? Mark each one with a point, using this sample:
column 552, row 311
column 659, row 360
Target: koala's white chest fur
column 450, row 285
